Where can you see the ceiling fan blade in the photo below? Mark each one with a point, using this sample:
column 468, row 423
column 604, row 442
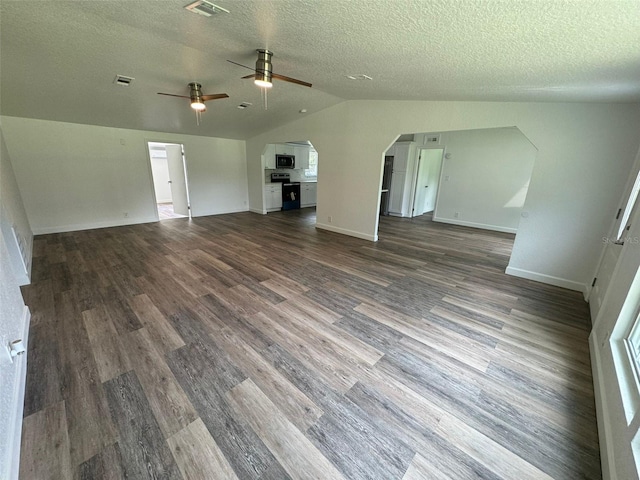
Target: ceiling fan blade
column 240, row 65
column 173, row 95
column 291, row 80
column 248, row 76
column 215, row 96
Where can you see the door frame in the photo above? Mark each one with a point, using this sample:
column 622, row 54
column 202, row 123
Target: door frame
column 416, row 166
column 154, row 197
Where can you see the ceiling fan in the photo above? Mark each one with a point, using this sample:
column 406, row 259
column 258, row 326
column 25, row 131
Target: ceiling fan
column 263, row 73
column 197, row 98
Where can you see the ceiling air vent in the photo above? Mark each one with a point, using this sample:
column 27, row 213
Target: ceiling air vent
column 208, row 9
column 123, row 80
column 244, row 105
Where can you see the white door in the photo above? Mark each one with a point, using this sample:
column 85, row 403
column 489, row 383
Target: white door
column 427, row 178
column 433, row 157
column 178, row 179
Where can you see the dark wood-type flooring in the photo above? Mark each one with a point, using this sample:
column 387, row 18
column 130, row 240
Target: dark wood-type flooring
column 257, row 347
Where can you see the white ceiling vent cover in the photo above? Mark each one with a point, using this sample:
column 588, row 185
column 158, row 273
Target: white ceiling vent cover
column 208, row 9
column 123, row 80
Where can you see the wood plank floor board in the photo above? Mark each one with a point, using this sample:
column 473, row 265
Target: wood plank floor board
column 159, row 328
column 243, row 449
column 446, row 460
column 168, row 402
column 291, row 448
column 43, row 361
column 249, row 346
column 45, row 453
column 301, row 411
column 145, row 454
column 106, row 465
column 197, row 454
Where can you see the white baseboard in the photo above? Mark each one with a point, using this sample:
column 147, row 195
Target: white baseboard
column 549, row 279
column 607, row 458
column 257, row 210
column 344, row 231
column 90, row 226
column 484, row 226
column 220, row 212
column 14, row 433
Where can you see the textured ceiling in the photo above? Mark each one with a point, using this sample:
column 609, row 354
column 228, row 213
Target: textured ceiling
column 59, row 58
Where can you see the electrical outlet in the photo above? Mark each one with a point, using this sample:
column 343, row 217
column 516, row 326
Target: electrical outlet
column 456, row 215
column 330, row 218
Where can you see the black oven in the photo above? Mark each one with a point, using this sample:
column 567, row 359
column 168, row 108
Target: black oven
column 285, row 161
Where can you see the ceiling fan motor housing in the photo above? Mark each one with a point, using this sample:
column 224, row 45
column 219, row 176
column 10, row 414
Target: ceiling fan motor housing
column 195, row 92
column 264, row 68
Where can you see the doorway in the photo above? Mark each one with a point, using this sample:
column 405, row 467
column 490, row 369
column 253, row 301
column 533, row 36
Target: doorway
column 169, row 171
column 427, row 181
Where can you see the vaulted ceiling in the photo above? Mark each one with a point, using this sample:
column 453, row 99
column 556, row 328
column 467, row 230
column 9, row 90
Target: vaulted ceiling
column 59, row 58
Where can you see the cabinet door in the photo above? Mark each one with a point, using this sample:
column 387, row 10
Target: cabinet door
column 396, row 192
column 270, row 157
column 282, row 149
column 277, row 196
column 313, row 193
column 273, row 197
column 302, row 157
column 308, row 194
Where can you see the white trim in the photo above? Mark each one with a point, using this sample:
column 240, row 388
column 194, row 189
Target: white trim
column 344, row 231
column 208, row 214
column 607, row 457
column 89, row 226
column 17, row 400
column 484, row 226
column 259, row 211
column 549, row 279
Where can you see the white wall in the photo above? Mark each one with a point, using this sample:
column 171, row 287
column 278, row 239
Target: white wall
column 13, row 320
column 585, row 152
column 488, row 177
column 74, row 177
column 160, row 169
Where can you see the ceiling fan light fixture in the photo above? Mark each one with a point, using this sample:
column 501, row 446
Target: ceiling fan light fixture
column 195, row 93
column 198, row 105
column 264, row 69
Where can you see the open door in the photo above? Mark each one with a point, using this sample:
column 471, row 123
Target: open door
column 178, row 179
column 427, row 180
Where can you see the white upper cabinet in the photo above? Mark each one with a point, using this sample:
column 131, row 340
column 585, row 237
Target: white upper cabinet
column 270, row 156
column 302, row 156
column 282, row 149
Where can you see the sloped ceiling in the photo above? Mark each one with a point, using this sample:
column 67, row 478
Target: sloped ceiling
column 59, row 58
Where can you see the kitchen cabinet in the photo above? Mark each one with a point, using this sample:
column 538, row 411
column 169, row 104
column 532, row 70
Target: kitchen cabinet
column 283, row 149
column 270, row 157
column 308, row 194
column 302, row 156
column 273, row 196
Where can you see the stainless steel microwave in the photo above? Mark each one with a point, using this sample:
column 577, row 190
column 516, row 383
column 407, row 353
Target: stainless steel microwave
column 285, row 161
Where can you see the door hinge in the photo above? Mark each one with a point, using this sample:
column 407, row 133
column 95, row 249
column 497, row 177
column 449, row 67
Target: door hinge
column 188, row 207
column 593, row 284
column 618, row 214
